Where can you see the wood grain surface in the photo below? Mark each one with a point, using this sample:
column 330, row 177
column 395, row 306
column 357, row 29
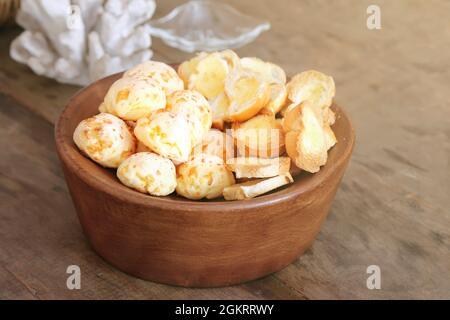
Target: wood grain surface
column 391, row 209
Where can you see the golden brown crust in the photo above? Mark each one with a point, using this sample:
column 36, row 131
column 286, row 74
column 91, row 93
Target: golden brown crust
column 312, row 86
column 261, row 136
column 245, row 167
column 248, row 94
column 254, row 188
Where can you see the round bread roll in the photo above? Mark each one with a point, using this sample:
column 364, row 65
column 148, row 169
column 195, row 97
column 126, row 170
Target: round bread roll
column 167, row 134
column 148, row 172
column 105, row 139
column 195, row 108
column 204, row 176
column 131, row 99
column 163, row 74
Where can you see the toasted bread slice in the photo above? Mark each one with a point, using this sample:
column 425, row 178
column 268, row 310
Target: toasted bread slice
column 148, row 172
column 258, row 167
column 204, row 176
column 269, row 72
column 211, row 72
column 254, row 188
column 163, row 74
column 308, row 146
column 329, row 117
column 248, row 94
column 277, row 100
column 219, row 107
column 292, row 120
column 261, row 136
column 330, row 138
column 312, row 86
column 189, row 67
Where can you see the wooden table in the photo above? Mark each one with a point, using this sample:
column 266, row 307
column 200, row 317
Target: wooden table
column 392, row 207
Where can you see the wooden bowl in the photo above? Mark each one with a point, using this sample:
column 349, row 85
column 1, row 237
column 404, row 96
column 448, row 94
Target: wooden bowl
column 176, row 241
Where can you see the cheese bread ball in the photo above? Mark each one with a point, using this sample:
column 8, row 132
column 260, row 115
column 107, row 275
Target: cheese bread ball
column 148, row 172
column 161, row 73
column 131, row 99
column 204, row 176
column 167, row 134
column 195, row 108
column 105, row 139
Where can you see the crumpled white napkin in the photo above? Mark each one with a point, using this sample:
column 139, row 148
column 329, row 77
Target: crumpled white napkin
column 79, row 41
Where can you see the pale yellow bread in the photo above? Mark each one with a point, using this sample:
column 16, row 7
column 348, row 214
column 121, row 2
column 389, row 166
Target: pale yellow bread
column 148, row 172
column 269, row 72
column 254, row 188
column 195, row 108
column 330, row 138
column 250, row 167
column 308, row 146
column 312, row 86
column 204, row 176
column 131, row 99
column 277, row 99
column 105, row 138
column 167, row 134
column 188, row 67
column 217, row 143
column 210, row 73
column 164, row 75
column 292, row 120
column 219, row 106
column 247, row 93
column 329, row 117
column 261, row 136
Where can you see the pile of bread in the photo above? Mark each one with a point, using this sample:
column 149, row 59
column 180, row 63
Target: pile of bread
column 219, row 126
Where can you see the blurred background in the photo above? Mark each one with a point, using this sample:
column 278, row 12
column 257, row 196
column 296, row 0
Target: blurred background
column 392, row 207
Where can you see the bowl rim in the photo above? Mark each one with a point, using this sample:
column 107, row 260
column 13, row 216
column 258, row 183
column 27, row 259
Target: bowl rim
column 137, row 198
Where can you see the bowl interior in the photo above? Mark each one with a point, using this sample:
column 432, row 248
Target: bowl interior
column 85, row 104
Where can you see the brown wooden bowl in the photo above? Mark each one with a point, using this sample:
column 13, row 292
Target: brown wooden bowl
column 176, row 241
